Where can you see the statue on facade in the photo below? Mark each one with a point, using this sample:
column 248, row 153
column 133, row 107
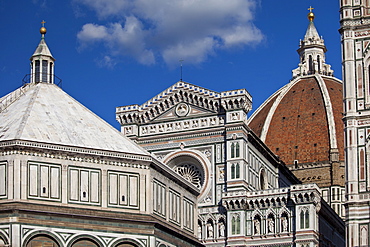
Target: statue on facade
column 210, row 230
column 221, row 229
column 199, row 232
column 284, row 224
column 257, row 227
column 271, row 225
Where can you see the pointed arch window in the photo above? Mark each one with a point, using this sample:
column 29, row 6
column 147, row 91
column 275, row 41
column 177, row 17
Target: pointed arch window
column 235, row 225
column 232, row 150
column 318, row 63
column 302, row 219
column 305, row 219
column 235, row 150
column 232, row 171
column 310, row 64
column 237, row 170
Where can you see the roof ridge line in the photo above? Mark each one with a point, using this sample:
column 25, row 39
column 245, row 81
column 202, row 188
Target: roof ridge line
column 329, row 112
column 27, row 113
column 11, row 97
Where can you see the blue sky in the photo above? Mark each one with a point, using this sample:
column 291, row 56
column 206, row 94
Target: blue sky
column 113, row 53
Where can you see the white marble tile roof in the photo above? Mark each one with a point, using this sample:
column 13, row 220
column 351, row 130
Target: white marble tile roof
column 45, row 113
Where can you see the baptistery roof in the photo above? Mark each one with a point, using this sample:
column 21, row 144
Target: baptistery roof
column 44, row 113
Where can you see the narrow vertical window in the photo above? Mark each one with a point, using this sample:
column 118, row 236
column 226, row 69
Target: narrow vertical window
column 237, row 170
column 302, row 219
column 233, row 226
column 232, row 171
column 318, row 64
column 237, row 150
column 307, row 219
column 232, row 150
column 44, row 70
column 237, row 230
column 51, row 73
column 37, row 71
column 310, row 65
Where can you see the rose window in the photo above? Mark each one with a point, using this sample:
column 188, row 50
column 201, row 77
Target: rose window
column 191, row 173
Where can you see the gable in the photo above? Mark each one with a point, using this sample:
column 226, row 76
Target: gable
column 183, row 110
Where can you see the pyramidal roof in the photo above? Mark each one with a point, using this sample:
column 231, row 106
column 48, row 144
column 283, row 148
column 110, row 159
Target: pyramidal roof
column 311, row 32
column 42, row 49
column 42, row 112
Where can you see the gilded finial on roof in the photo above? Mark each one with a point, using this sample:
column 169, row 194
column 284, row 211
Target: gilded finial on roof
column 43, row 29
column 311, row 15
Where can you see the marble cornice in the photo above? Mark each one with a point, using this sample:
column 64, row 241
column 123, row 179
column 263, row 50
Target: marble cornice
column 54, row 151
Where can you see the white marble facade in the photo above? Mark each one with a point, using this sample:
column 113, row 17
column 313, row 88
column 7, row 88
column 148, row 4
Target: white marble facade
column 355, row 32
column 242, row 184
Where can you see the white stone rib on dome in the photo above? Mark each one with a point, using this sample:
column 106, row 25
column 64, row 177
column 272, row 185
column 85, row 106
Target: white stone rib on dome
column 45, row 113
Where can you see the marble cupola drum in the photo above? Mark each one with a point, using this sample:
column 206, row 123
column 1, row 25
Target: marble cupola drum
column 42, row 62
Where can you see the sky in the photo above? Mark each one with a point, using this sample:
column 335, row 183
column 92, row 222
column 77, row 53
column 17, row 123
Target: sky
column 112, row 53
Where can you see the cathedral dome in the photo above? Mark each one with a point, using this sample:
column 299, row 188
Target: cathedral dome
column 302, row 121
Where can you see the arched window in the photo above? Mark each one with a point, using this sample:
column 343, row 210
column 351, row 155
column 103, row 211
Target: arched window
column 235, row 224
column 232, row 150
column 41, row 241
column 232, row 171
column 307, row 219
column 237, row 150
column 237, row 170
column 318, row 63
column 302, row 219
column 310, row 65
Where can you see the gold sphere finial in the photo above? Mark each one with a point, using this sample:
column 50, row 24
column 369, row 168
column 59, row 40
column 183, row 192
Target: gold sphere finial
column 311, row 15
column 43, row 29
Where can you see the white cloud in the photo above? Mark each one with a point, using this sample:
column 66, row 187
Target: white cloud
column 171, row 29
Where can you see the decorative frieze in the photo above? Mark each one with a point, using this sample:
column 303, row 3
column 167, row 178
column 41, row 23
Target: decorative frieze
column 185, row 125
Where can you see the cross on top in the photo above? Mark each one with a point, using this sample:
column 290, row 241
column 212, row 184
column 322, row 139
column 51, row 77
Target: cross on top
column 310, row 9
column 43, row 23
